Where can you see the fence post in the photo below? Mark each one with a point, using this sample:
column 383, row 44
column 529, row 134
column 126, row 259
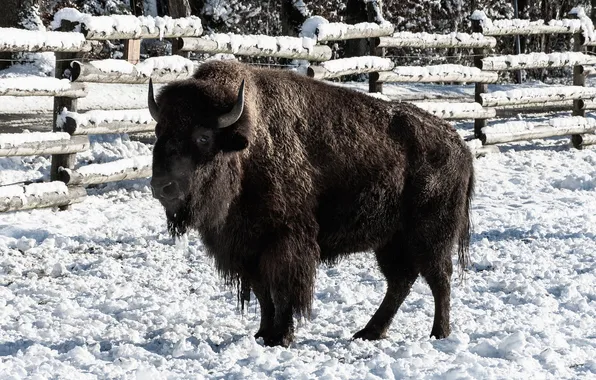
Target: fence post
column 63, row 61
column 374, row 10
column 579, row 79
column 132, row 51
column 480, row 88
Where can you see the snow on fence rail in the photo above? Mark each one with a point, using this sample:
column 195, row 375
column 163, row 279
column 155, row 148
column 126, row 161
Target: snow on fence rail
column 524, row 27
column 545, row 107
column 100, row 122
column 20, row 40
column 583, row 140
column 337, row 31
column 437, row 73
column 587, row 37
column 448, row 110
column 427, row 40
column 41, row 143
column 346, row 66
column 536, row 61
column 521, row 130
column 38, row 195
column 126, row 26
column 257, row 45
column 161, row 69
column 41, row 86
column 536, row 95
column 479, row 150
column 127, row 168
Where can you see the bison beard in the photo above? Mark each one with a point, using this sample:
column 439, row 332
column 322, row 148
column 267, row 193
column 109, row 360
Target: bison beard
column 283, row 172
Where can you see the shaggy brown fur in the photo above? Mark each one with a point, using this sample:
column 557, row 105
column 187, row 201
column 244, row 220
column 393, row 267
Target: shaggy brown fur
column 309, row 173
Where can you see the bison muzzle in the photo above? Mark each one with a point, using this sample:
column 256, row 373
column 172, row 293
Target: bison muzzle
column 278, row 173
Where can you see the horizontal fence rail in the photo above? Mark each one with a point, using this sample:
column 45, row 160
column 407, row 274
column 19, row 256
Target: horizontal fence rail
column 347, row 66
column 340, row 31
column 100, row 122
column 161, row 69
column 41, row 86
column 521, row 130
column 536, row 61
column 438, row 73
column 447, row 110
column 19, row 40
column 427, row 40
column 257, row 45
column 537, row 95
column 128, row 168
column 41, row 143
column 38, row 195
column 126, row 26
column 480, row 150
column 512, row 27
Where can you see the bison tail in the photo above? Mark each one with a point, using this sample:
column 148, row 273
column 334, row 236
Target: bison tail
column 463, row 250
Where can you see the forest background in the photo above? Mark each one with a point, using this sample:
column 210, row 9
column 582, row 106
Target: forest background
column 284, row 17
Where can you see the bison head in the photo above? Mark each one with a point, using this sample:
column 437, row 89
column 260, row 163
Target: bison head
column 199, row 128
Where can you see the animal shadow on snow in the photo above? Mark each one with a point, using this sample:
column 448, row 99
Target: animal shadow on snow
column 525, row 236
column 155, row 343
column 12, row 348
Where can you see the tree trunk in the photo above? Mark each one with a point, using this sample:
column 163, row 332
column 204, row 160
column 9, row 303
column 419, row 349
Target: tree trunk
column 522, row 10
column 292, row 17
column 593, row 17
column 179, row 8
column 355, row 13
column 8, row 19
column 28, row 15
column 137, row 7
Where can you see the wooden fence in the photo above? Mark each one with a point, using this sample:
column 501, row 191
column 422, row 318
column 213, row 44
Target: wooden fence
column 577, row 97
column 78, row 32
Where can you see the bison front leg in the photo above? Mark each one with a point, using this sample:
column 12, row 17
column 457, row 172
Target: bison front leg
column 267, row 309
column 282, row 330
column 289, row 271
column 277, row 325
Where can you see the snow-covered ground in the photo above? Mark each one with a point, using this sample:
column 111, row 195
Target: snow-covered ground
column 101, row 291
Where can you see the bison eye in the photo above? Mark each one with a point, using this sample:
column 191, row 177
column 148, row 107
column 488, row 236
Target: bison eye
column 203, row 139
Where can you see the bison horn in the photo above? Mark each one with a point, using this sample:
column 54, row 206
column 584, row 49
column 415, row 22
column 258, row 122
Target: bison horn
column 153, row 107
column 231, row 117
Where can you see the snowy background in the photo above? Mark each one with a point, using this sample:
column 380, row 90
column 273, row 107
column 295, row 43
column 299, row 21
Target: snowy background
column 102, row 291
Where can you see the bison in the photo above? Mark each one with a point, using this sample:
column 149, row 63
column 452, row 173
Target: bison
column 279, row 173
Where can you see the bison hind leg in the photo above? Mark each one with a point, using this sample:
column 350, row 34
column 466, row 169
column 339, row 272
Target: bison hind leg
column 437, row 272
column 398, row 265
column 435, row 243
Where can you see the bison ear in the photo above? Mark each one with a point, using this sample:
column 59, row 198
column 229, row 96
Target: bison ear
column 233, row 141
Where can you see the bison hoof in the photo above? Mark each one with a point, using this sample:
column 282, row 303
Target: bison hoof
column 260, row 334
column 278, row 340
column 369, row 334
column 440, row 333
